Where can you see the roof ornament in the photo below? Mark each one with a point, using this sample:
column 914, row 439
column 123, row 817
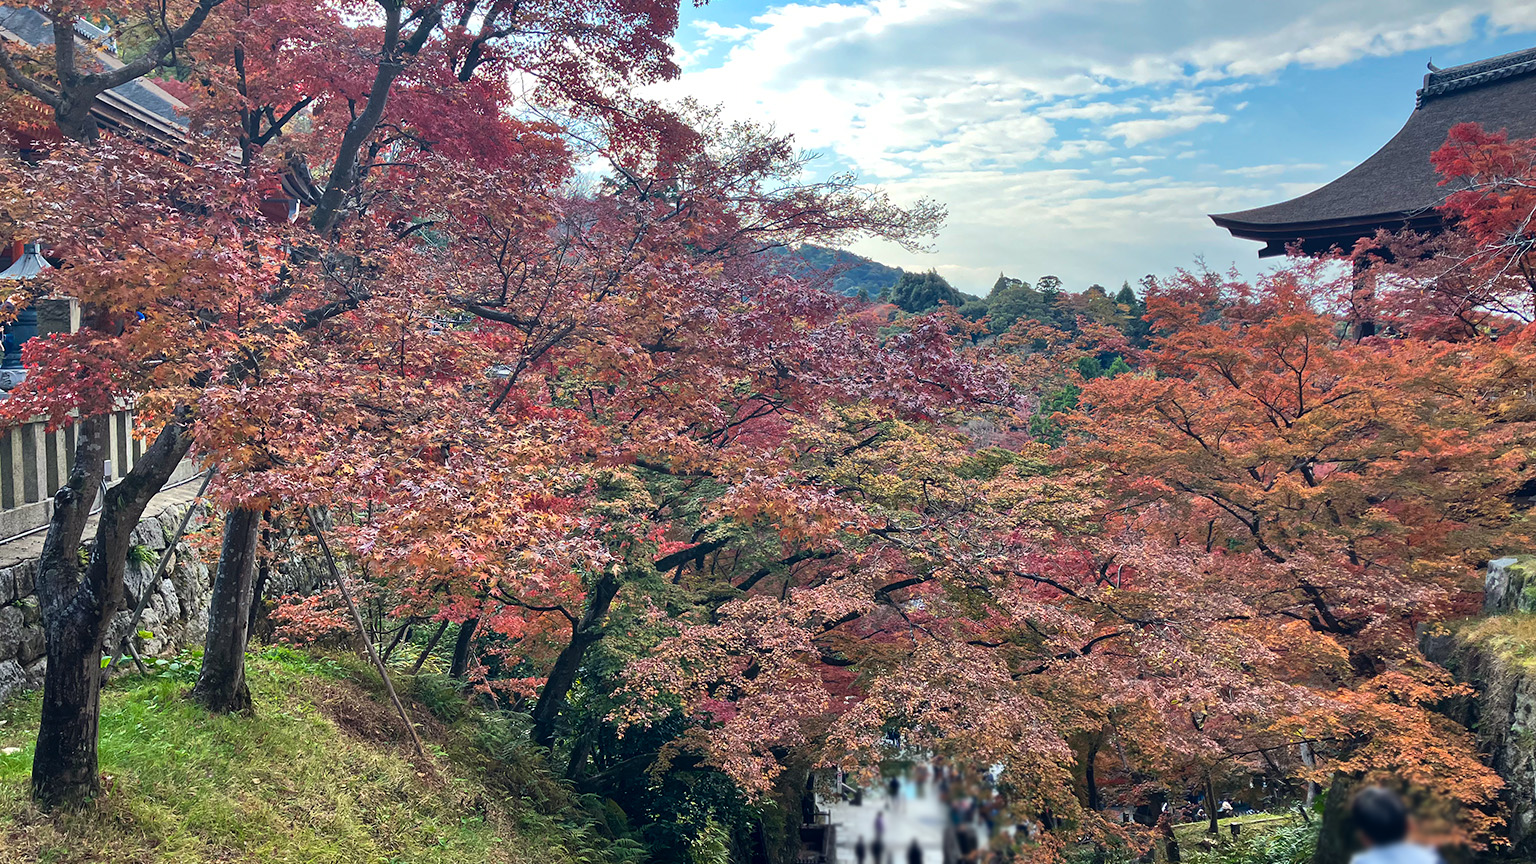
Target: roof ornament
column 1432, row 66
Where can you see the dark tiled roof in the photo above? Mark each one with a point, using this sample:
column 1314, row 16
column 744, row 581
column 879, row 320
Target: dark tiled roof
column 1442, row 82
column 1397, row 185
column 33, row 28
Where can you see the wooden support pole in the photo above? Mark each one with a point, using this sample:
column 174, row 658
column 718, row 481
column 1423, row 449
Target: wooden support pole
column 165, row 559
column 357, row 617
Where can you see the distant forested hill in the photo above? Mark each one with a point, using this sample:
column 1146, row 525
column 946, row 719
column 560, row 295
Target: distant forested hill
column 854, row 271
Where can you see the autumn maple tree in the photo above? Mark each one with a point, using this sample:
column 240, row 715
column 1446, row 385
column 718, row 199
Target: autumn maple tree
column 669, row 492
column 146, row 231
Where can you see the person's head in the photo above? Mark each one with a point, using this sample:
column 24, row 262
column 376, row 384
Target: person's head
column 1380, row 816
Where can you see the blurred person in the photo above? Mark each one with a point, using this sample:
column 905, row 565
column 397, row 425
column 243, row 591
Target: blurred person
column 1381, row 820
column 877, row 850
column 860, row 850
column 914, row 853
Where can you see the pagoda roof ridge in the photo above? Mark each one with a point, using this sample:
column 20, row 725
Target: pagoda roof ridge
column 1440, row 82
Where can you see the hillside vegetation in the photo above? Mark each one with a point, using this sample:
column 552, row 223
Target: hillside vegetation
column 319, row 774
column 854, row 273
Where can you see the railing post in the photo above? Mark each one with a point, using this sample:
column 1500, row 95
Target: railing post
column 58, row 459
column 34, row 462
column 113, row 443
column 57, row 315
column 17, row 467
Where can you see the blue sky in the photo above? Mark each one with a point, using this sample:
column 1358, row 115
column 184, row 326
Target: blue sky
column 1084, row 138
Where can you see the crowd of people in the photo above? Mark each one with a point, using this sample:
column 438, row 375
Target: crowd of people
column 961, row 823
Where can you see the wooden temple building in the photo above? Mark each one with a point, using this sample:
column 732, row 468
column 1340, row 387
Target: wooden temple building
column 1397, row 187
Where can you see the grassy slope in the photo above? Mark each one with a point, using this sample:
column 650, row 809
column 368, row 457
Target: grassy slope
column 1511, row 635
column 318, row 775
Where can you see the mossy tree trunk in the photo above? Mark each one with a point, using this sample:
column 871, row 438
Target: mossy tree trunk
column 80, row 594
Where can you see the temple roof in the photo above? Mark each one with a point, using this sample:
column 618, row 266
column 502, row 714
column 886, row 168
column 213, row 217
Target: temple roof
column 1397, row 186
column 138, row 106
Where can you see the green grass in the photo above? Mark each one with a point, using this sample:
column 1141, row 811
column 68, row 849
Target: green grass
column 1511, row 636
column 1266, row 838
column 319, row 774
column 1279, row 842
column 1195, row 830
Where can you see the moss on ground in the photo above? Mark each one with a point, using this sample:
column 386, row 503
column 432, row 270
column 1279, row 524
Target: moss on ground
column 320, row 773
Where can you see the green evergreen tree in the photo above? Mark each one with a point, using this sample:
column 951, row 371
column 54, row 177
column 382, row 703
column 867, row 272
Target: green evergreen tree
column 1006, row 283
column 920, row 292
column 1136, row 330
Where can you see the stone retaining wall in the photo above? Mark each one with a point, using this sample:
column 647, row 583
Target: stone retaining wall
column 177, row 614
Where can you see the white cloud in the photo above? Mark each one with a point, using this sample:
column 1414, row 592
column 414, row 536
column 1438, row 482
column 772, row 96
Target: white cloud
column 969, row 100
column 1134, row 132
column 1254, row 171
column 1073, row 224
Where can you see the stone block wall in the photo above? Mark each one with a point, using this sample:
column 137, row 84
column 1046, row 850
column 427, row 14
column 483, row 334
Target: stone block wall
column 1509, row 586
column 177, row 614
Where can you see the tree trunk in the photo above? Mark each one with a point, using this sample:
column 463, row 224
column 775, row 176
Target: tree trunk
column 580, row 753
column 460, row 665
column 221, row 682
column 78, row 601
column 1310, row 761
column 1214, row 826
column 1089, row 778
column 1170, row 840
column 562, row 676
column 1336, row 836
column 431, row 643
column 400, row 634
column 263, row 573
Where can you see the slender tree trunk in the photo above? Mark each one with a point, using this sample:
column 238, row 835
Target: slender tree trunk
column 400, row 635
column 78, row 601
column 263, row 573
column 460, row 666
column 431, row 643
column 1308, row 760
column 1089, row 778
column 562, row 676
column 1214, row 827
column 579, row 756
column 221, row 682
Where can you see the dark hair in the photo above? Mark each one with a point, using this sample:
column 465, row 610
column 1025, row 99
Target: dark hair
column 1380, row 815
